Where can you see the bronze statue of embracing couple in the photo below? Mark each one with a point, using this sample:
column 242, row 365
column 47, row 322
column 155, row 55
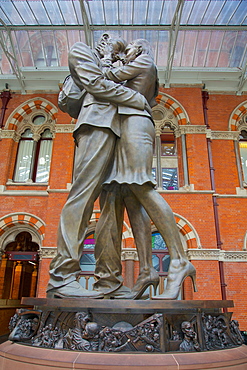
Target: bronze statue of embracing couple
column 114, row 137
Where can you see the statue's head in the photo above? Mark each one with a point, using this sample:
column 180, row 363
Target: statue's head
column 187, row 329
column 111, row 45
column 136, row 48
column 80, row 319
column 92, row 328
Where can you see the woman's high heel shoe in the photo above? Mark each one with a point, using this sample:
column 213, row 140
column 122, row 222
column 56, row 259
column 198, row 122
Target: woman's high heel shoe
column 146, row 278
column 175, row 279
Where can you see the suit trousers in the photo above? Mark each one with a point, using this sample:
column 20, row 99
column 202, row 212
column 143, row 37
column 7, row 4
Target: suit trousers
column 108, row 270
column 93, row 161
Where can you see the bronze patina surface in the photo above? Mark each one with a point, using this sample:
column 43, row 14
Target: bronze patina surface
column 91, row 325
column 114, row 135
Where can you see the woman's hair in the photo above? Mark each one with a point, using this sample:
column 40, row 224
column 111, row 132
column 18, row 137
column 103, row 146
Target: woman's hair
column 119, row 43
column 144, row 46
column 116, row 41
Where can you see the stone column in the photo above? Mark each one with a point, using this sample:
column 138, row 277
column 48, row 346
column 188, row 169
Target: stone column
column 158, row 158
column 34, row 281
column 2, row 274
column 129, row 255
column 16, row 281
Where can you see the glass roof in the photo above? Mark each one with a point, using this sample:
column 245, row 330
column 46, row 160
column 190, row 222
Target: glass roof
column 206, row 35
column 122, row 12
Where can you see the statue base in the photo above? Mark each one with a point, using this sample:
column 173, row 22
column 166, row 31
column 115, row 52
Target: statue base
column 109, row 334
column 13, row 355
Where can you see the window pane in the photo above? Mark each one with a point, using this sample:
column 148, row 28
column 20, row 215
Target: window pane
column 44, row 161
column 38, row 120
column 167, row 142
column 243, row 153
column 49, row 59
column 170, row 178
column 155, row 261
column 165, row 263
column 87, row 262
column 46, row 134
column 27, row 133
column 167, row 149
column 158, row 242
column 40, row 13
column 24, row 160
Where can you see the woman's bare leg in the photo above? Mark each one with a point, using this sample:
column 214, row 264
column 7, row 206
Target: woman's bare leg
column 162, row 216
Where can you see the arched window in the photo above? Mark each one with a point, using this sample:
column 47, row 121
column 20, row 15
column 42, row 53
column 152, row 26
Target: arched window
column 33, row 157
column 87, row 262
column 169, row 165
column 165, row 158
column 20, row 267
column 160, row 254
column 243, row 153
column 24, row 157
column 46, row 57
column 161, row 260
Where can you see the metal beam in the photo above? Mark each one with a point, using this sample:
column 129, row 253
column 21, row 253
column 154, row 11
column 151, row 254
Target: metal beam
column 48, row 78
column 11, row 55
column 86, row 25
column 243, row 77
column 173, row 40
column 242, row 80
column 91, row 28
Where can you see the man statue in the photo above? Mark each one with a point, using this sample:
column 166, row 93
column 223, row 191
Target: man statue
column 95, row 135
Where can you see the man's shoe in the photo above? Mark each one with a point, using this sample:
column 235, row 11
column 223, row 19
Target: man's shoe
column 73, row 290
column 119, row 293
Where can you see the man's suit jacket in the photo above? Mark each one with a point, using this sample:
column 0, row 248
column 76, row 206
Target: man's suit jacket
column 100, row 103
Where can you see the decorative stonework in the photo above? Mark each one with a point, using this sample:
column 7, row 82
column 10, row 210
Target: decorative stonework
column 22, row 218
column 36, row 130
column 224, row 135
column 238, row 194
column 201, row 129
column 175, row 107
column 188, row 231
column 48, row 252
column 9, row 134
column 236, row 118
column 241, row 191
column 234, row 256
column 129, row 254
column 22, row 116
column 203, row 254
column 217, row 255
column 193, row 129
column 68, row 128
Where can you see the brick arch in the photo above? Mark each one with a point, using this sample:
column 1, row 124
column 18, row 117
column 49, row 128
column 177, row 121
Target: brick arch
column 19, row 219
column 26, row 108
column 236, row 116
column 187, row 230
column 177, row 109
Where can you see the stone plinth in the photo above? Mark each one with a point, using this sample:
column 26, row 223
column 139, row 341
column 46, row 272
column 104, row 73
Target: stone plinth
column 111, row 334
column 21, row 357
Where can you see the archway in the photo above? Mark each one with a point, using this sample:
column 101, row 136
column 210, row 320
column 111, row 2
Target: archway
column 19, row 267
